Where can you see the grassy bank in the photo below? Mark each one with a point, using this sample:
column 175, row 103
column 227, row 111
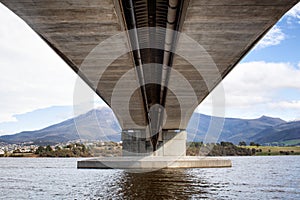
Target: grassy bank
column 229, row 149
column 274, row 150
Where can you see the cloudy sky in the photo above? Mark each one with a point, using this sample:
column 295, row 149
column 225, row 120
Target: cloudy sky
column 36, row 86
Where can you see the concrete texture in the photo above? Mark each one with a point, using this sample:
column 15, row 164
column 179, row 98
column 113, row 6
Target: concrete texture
column 174, row 143
column 226, row 29
column 137, row 143
column 153, row 162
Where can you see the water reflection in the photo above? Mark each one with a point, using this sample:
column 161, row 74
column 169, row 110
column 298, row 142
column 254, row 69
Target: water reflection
column 274, row 177
column 163, row 184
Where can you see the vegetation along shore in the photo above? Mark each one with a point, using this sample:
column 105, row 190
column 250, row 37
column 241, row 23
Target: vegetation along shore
column 110, row 149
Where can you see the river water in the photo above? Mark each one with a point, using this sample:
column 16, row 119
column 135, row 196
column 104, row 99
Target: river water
column 273, row 177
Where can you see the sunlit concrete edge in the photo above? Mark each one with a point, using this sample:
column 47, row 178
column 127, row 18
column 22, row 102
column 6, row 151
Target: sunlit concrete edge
column 153, row 162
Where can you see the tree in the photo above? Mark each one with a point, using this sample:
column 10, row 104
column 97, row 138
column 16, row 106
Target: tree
column 242, row 143
column 48, row 148
column 84, row 148
column 224, row 144
column 39, row 150
column 252, row 144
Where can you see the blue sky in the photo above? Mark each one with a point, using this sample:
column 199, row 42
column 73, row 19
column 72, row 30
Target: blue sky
column 267, row 80
column 285, row 40
column 36, row 86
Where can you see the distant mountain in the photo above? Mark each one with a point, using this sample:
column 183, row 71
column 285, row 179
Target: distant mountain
column 234, row 129
column 37, row 119
column 101, row 124
column 286, row 133
column 94, row 125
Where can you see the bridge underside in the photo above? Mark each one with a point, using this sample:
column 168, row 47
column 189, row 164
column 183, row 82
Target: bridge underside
column 152, row 104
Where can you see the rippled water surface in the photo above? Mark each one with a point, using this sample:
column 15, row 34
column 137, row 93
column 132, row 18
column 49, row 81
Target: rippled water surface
column 275, row 177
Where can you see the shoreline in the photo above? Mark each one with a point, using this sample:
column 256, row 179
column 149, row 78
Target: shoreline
column 118, row 156
column 196, row 149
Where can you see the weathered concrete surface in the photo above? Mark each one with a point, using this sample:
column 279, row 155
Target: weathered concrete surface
column 153, row 162
column 226, row 29
column 170, row 143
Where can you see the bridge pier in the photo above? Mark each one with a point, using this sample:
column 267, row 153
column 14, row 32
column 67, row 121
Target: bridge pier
column 135, row 67
column 170, row 143
column 138, row 155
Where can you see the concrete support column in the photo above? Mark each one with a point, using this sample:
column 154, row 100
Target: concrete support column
column 171, row 143
column 174, row 142
column 135, row 143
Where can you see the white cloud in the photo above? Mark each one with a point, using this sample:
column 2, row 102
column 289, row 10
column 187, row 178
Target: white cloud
column 286, row 104
column 294, row 13
column 256, row 88
column 274, row 37
column 32, row 76
column 262, row 77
